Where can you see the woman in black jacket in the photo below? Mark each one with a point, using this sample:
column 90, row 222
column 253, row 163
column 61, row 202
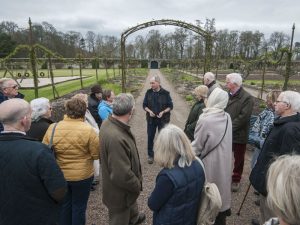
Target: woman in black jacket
column 40, row 118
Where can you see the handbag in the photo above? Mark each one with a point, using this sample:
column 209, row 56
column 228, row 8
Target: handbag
column 50, row 145
column 210, row 202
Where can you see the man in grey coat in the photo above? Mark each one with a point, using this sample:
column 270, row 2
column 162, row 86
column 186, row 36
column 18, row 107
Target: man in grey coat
column 120, row 163
column 209, row 79
column 239, row 107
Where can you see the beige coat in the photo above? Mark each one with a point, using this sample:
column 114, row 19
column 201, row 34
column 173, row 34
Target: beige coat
column 208, row 133
column 76, row 147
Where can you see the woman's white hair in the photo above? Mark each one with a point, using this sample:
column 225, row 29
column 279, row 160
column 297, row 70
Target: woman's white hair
column 283, row 184
column 292, row 98
column 235, row 78
column 40, row 107
column 171, row 145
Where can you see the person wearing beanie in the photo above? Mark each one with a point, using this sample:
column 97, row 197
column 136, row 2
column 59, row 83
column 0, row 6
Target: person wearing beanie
column 94, row 100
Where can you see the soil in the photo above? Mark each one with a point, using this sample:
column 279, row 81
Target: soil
column 97, row 213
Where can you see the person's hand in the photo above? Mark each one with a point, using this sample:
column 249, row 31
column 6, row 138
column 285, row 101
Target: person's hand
column 160, row 114
column 152, row 114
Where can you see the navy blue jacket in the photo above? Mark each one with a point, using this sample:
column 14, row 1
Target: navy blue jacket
column 29, row 176
column 157, row 102
column 284, row 138
column 176, row 196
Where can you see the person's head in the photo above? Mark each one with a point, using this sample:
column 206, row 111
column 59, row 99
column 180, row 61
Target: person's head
column 234, row 81
column 171, row 145
column 108, row 95
column 75, row 108
column 9, row 87
column 40, row 108
column 97, row 91
column 15, row 114
column 271, row 98
column 201, row 92
column 287, row 103
column 208, row 78
column 283, row 184
column 123, row 105
column 155, row 82
column 82, row 96
column 217, row 99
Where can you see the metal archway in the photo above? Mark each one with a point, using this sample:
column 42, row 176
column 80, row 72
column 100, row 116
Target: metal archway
column 196, row 29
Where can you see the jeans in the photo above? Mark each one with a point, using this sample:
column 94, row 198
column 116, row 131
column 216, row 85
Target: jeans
column 152, row 125
column 75, row 202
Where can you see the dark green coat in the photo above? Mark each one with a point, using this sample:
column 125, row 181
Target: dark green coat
column 193, row 117
column 240, row 107
column 120, row 164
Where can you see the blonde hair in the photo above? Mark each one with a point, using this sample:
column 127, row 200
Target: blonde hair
column 81, row 96
column 201, row 91
column 283, row 184
column 172, row 144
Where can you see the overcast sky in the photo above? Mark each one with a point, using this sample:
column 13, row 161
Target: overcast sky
column 112, row 17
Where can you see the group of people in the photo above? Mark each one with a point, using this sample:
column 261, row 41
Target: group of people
column 47, row 169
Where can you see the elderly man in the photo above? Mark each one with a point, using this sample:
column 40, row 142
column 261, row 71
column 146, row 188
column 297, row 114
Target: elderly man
column 120, row 163
column 209, row 79
column 31, row 183
column 284, row 138
column 158, row 104
column 239, row 107
column 8, row 89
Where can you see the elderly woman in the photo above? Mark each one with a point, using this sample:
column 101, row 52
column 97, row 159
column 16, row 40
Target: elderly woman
column 201, row 93
column 283, row 184
column 40, row 117
column 213, row 142
column 76, row 147
column 176, row 195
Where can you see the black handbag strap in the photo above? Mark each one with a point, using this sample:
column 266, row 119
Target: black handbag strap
column 202, row 157
column 52, row 135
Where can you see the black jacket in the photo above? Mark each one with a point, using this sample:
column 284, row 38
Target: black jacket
column 93, row 103
column 38, row 128
column 284, row 138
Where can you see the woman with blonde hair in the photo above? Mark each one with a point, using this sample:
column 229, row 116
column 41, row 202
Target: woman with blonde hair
column 176, row 195
column 283, row 184
column 213, row 143
column 200, row 93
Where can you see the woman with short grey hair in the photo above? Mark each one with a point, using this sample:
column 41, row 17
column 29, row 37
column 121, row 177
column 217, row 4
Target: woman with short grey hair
column 41, row 113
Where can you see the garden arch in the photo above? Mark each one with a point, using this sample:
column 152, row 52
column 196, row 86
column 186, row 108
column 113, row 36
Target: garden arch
column 196, row 29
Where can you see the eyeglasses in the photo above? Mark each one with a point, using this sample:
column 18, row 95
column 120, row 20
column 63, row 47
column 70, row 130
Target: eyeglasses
column 13, row 87
column 282, row 102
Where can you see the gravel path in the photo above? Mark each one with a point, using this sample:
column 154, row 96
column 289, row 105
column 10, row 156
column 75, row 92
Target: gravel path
column 97, row 212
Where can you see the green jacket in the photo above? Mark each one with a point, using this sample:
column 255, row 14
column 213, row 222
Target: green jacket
column 240, row 107
column 120, row 164
column 192, row 119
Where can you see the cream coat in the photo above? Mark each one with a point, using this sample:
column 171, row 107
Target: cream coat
column 76, row 147
column 208, row 133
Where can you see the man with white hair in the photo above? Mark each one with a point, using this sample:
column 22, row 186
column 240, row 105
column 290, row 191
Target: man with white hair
column 284, row 138
column 209, row 79
column 31, row 183
column 8, row 90
column 239, row 107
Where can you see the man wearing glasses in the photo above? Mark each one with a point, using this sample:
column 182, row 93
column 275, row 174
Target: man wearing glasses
column 284, row 138
column 8, row 89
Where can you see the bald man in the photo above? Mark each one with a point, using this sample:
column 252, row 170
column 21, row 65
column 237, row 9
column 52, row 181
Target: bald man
column 31, row 183
column 8, row 90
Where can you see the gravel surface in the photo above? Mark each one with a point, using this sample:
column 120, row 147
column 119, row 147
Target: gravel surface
column 97, row 213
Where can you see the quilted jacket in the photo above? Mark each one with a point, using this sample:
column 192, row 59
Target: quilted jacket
column 76, row 146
